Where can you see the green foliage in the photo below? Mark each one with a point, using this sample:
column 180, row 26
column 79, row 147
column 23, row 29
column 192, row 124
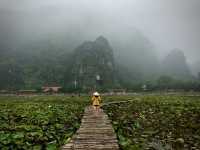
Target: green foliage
column 170, row 83
column 156, row 122
column 39, row 122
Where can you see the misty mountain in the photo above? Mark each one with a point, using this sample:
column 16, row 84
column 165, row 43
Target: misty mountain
column 99, row 58
column 92, row 66
column 39, row 63
column 175, row 65
column 137, row 53
column 123, row 63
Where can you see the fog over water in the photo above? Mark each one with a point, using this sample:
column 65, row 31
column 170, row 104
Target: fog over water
column 168, row 24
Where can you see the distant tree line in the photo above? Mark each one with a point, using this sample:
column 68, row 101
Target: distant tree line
column 166, row 83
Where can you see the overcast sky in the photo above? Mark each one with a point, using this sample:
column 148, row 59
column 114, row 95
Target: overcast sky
column 167, row 23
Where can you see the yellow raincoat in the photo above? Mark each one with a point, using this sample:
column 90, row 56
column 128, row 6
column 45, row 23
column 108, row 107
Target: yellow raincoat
column 96, row 100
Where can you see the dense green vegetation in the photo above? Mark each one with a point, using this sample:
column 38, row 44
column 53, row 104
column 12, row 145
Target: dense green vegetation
column 39, row 122
column 142, row 122
column 156, row 122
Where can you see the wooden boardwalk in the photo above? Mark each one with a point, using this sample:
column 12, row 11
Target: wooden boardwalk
column 95, row 133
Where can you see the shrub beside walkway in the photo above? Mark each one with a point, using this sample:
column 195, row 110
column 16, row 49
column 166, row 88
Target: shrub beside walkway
column 95, row 133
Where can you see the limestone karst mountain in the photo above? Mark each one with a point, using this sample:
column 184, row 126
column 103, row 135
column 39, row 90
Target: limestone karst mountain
column 92, row 65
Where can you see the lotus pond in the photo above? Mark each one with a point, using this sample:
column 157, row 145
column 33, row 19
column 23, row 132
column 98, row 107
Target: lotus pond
column 143, row 122
column 156, row 122
column 39, row 122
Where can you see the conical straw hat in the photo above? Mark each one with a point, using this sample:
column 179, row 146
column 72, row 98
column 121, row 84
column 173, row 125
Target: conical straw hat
column 96, row 94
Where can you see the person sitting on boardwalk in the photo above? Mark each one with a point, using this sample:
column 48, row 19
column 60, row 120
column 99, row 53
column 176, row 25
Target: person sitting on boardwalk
column 96, row 99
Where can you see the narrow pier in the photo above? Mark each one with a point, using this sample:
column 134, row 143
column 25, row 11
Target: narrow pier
column 95, row 133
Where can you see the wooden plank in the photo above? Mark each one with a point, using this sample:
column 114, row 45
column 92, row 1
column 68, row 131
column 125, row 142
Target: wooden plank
column 95, row 133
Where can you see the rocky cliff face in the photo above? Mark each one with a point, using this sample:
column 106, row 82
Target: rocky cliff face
column 93, row 64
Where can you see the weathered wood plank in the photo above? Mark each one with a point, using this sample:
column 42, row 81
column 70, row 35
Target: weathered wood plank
column 95, row 133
